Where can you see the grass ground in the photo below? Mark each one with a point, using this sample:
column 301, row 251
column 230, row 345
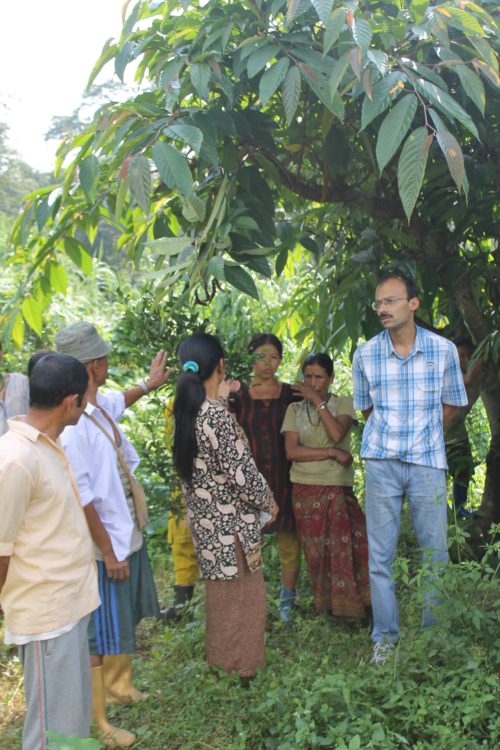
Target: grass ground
column 442, row 690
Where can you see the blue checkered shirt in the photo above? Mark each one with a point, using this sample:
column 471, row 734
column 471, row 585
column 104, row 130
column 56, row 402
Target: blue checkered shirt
column 407, row 396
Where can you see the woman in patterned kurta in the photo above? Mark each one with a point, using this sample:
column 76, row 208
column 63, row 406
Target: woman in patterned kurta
column 260, row 410
column 329, row 520
column 225, row 495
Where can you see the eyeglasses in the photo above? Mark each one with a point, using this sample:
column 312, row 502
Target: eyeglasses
column 387, row 302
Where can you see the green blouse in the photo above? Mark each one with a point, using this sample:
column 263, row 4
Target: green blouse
column 307, row 423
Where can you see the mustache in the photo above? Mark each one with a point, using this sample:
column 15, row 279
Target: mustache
column 384, row 315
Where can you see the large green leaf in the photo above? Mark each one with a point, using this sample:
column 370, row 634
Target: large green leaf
column 411, row 168
column 453, row 155
column 323, row 9
column 291, row 93
column 333, row 28
column 240, row 279
column 272, row 78
column 451, row 150
column 173, row 168
column 139, row 179
column 33, row 314
column 260, row 58
column 361, row 32
column 446, row 104
column 394, row 128
column 472, row 84
column 338, row 70
column 189, row 134
column 78, row 254
column 169, row 246
column 89, row 176
column 200, row 76
column 464, row 21
column 380, row 59
column 58, row 278
column 382, row 92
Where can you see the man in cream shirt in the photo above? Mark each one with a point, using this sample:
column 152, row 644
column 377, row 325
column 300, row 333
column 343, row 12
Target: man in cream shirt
column 48, row 582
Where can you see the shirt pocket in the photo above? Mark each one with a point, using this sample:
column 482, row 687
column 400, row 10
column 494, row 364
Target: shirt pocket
column 427, row 396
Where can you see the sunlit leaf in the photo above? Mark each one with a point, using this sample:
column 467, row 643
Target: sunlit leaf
column 189, row 134
column 443, row 101
column 453, row 155
column 33, row 314
column 333, row 28
column 200, row 76
column 89, row 177
column 411, row 168
column 173, row 168
column 272, row 78
column 58, row 278
column 361, row 32
column 139, row 177
column 323, row 9
column 260, row 58
column 394, row 128
column 78, row 254
column 291, row 93
column 240, row 279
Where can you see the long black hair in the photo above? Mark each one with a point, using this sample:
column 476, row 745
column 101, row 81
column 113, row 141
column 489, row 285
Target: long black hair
column 199, row 355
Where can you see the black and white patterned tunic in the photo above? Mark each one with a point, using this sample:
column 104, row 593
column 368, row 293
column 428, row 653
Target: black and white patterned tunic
column 226, row 495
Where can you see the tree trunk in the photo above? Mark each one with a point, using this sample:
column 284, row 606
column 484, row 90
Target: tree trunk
column 479, row 327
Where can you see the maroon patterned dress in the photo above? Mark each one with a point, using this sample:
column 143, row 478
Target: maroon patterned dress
column 262, row 419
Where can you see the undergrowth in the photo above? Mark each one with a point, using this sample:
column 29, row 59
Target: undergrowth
column 440, row 691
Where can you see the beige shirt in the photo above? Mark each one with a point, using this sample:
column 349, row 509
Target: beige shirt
column 307, row 423
column 51, row 579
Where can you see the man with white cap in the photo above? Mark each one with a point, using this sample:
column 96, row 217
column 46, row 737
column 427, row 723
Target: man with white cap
column 104, row 461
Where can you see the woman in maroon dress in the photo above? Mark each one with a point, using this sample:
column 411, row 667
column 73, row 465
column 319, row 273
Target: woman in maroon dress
column 260, row 410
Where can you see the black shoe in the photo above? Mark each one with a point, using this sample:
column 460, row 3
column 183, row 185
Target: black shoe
column 182, row 595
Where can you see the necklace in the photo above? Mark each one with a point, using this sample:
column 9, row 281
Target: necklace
column 315, row 424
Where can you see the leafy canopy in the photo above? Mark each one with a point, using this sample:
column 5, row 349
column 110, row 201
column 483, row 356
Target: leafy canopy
column 264, row 123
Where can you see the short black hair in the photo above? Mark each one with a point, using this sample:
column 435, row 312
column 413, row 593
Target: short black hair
column 321, row 359
column 393, row 273
column 54, row 377
column 36, row 357
column 259, row 339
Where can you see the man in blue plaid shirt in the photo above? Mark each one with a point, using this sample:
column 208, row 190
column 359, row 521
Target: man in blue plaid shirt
column 408, row 384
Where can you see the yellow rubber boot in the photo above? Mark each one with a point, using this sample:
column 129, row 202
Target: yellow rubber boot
column 112, row 736
column 118, row 680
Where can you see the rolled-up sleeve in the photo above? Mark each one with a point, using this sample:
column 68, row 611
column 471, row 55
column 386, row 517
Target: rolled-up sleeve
column 16, row 487
column 361, row 388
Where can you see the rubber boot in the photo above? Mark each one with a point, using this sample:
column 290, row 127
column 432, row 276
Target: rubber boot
column 112, row 736
column 182, row 595
column 118, row 685
column 286, row 605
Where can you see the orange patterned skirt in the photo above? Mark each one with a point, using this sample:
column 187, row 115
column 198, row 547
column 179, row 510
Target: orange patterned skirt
column 235, row 617
column 332, row 529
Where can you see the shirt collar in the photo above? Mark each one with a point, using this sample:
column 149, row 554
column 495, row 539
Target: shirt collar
column 16, row 424
column 418, row 346
column 90, row 408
